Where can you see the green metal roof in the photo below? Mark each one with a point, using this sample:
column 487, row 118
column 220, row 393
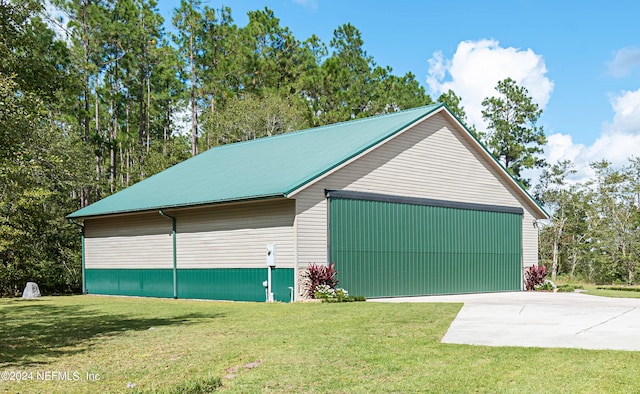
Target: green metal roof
column 263, row 168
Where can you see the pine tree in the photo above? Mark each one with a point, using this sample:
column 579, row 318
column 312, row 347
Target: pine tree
column 513, row 136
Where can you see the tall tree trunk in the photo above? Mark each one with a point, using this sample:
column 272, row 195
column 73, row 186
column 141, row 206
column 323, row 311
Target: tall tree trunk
column 113, row 135
column 112, row 155
column 574, row 260
column 87, row 119
column 122, row 171
column 194, row 110
column 125, row 167
column 141, row 99
column 84, row 193
column 112, row 148
column 148, row 113
column 141, row 113
column 167, row 119
column 165, row 127
column 630, row 266
column 213, row 111
column 97, row 155
column 556, row 240
column 85, row 48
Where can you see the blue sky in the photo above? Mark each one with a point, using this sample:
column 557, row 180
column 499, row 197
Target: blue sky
column 579, row 60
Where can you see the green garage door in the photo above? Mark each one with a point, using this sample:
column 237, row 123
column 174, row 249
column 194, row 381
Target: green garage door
column 386, row 246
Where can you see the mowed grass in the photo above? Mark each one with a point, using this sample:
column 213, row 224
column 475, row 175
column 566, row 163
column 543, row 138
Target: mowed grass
column 593, row 290
column 614, row 291
column 156, row 345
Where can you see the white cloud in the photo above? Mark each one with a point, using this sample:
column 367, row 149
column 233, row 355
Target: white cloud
column 310, row 4
column 57, row 20
column 618, row 142
column 438, row 67
column 625, row 60
column 561, row 147
column 477, row 66
column 627, row 113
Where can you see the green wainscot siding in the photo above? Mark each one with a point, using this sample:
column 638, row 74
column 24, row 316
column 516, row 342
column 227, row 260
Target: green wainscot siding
column 130, row 282
column 234, row 284
column 237, row 284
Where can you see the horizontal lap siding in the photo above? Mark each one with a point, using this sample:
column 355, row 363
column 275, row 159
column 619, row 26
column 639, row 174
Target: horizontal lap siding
column 134, row 241
column 225, row 236
column 529, row 240
column 235, row 236
column 432, row 160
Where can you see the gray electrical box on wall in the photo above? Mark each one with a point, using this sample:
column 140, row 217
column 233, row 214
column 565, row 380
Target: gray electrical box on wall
column 271, row 255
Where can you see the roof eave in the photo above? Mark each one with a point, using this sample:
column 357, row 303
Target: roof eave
column 73, row 216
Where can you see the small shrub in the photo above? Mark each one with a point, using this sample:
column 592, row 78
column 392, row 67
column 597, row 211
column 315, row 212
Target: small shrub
column 534, row 276
column 335, row 300
column 346, row 299
column 547, row 285
column 341, row 294
column 327, row 294
column 568, row 288
column 618, row 288
column 320, row 275
column 324, row 292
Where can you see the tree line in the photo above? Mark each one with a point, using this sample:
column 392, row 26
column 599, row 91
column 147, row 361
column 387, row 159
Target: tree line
column 594, row 232
column 112, row 98
column 93, row 105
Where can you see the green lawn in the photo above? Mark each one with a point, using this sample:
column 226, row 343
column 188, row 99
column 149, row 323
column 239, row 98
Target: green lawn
column 171, row 345
column 593, row 290
column 615, row 291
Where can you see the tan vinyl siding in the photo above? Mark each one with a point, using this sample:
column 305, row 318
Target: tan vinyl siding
column 134, row 241
column 529, row 240
column 235, row 236
column 224, row 236
column 434, row 159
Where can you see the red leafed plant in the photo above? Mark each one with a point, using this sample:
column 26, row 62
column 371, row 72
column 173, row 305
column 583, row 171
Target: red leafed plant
column 318, row 275
column 534, row 276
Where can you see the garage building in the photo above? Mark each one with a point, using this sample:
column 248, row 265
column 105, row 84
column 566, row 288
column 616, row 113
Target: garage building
column 407, row 203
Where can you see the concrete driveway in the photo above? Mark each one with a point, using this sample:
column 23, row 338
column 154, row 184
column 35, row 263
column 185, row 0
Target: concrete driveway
column 535, row 319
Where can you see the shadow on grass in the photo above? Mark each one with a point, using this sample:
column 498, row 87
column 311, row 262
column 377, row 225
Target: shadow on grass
column 34, row 332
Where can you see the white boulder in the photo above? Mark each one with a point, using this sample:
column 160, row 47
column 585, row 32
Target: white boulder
column 31, row 290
